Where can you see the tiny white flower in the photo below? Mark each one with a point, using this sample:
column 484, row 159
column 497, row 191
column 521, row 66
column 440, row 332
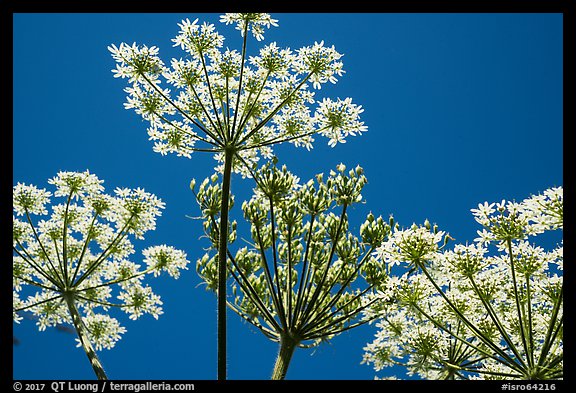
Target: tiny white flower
column 165, row 258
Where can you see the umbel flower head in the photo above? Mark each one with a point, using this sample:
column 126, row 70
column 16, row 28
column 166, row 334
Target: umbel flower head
column 302, row 277
column 217, row 99
column 487, row 310
column 73, row 265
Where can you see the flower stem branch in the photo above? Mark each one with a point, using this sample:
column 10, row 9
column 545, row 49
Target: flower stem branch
column 519, row 309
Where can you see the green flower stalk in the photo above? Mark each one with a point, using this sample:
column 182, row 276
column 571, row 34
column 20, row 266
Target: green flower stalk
column 234, row 106
column 302, row 279
column 488, row 310
column 71, row 264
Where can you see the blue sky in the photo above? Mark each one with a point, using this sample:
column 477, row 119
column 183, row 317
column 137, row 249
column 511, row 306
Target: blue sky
column 461, row 109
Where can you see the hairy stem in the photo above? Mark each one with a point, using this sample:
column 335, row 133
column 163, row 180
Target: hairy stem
column 84, row 339
column 287, row 346
column 222, row 251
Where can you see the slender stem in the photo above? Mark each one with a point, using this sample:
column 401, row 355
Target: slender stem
column 267, row 273
column 84, row 338
column 530, row 354
column 186, row 115
column 223, row 131
column 220, row 142
column 551, row 326
column 58, row 255
column 35, row 283
column 240, row 80
column 241, row 116
column 471, row 362
column 494, row 318
column 549, row 365
column 41, row 271
column 462, row 357
column 251, row 293
column 452, row 346
column 343, row 287
column 474, row 370
column 316, row 321
column 506, row 360
column 304, row 272
column 282, row 311
column 318, row 290
column 309, row 282
column 227, row 117
column 94, row 265
column 254, row 175
column 105, row 304
column 289, row 278
column 192, row 135
column 64, row 240
column 200, row 150
column 287, row 346
column 282, row 138
column 555, row 361
column 56, row 276
column 326, row 332
column 244, row 119
column 222, row 252
column 557, row 374
column 38, row 303
column 273, row 112
column 267, row 332
column 84, row 248
column 518, row 307
column 224, row 114
column 470, row 325
column 115, row 281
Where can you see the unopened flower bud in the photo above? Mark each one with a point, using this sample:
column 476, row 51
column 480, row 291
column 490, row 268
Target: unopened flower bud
column 427, row 224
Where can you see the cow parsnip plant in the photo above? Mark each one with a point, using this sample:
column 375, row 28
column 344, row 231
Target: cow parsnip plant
column 492, row 309
column 233, row 105
column 73, row 266
column 302, row 277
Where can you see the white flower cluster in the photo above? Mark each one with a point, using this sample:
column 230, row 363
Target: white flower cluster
column 306, row 272
column 104, row 331
column 226, row 98
column 165, row 258
column 78, row 255
column 487, row 310
column 340, row 119
column 413, row 246
column 250, row 21
column 509, row 220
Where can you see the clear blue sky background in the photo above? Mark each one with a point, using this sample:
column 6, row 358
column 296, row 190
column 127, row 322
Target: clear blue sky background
column 461, row 108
